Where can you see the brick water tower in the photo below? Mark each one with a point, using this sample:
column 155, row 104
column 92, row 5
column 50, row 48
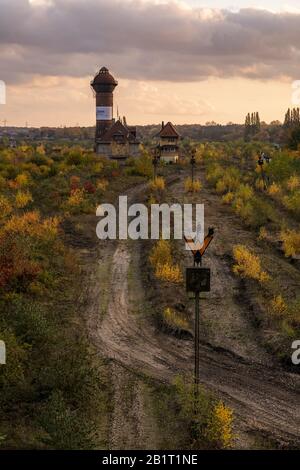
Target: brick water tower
column 104, row 85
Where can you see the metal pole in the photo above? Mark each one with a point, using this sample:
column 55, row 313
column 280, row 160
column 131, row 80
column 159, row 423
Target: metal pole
column 197, row 345
column 192, row 173
column 263, row 175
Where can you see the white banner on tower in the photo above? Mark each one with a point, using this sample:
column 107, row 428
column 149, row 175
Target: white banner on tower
column 104, row 113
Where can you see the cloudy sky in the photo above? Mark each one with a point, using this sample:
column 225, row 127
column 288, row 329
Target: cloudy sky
column 189, row 61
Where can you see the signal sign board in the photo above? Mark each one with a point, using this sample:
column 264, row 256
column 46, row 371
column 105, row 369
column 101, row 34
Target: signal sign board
column 198, row 279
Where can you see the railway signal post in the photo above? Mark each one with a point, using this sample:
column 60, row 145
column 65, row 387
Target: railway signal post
column 263, row 158
column 198, row 280
column 193, row 163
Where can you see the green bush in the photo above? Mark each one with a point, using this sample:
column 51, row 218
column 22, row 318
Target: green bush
column 65, row 426
column 140, row 166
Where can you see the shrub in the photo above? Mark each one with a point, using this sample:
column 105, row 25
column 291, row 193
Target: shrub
column 274, row 190
column 229, row 181
column 75, row 201
column 89, row 187
column 102, row 185
column 23, row 199
column 74, row 182
column 97, row 168
column 255, row 211
column 75, row 156
column 161, row 253
column 287, row 313
column 293, row 183
column 244, row 192
column 22, row 180
column 228, row 198
column 23, row 242
column 5, row 207
column 263, row 234
column 278, row 306
column 283, row 166
column 65, row 427
column 192, row 186
column 173, row 319
column 294, row 313
column 219, row 428
column 210, row 420
column 213, row 173
column 242, row 204
column 168, row 272
column 161, row 261
column 291, row 242
column 31, row 225
column 248, row 265
column 157, row 184
column 140, row 166
column 12, row 375
column 292, row 202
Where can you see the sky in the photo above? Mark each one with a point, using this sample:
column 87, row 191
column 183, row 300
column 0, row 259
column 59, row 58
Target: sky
column 187, row 61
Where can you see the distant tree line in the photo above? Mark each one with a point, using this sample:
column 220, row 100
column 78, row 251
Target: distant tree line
column 252, row 125
column 292, row 118
column 292, row 126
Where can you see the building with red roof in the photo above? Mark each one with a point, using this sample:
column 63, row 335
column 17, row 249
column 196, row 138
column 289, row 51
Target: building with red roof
column 168, row 143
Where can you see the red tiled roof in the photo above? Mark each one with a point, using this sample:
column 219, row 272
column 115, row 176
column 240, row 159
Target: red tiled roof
column 168, row 131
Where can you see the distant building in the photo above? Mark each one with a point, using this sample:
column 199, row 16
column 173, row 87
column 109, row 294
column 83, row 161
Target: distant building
column 168, row 142
column 114, row 138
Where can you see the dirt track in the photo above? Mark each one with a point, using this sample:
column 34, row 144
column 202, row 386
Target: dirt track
column 264, row 398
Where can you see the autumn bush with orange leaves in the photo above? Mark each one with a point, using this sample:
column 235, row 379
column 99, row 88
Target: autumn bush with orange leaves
column 24, row 240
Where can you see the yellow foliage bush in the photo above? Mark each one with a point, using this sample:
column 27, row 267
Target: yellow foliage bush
column 192, row 186
column 248, row 264
column 98, row 167
column 40, row 150
column 22, row 199
column 274, row 190
column 158, row 184
column 263, row 234
column 291, row 242
column 76, row 198
column 292, row 202
column 293, row 183
column 152, row 200
column 168, row 272
column 278, row 305
column 228, row 198
column 219, row 428
column 244, row 192
column 173, row 319
column 102, row 184
column 22, row 180
column 229, row 181
column 161, row 261
column 161, row 253
column 31, row 224
column 214, row 172
column 5, row 207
